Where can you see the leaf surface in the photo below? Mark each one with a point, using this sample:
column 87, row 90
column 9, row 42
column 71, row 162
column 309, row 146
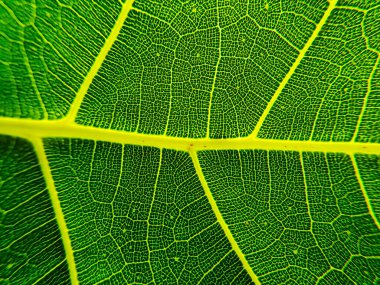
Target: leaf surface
column 190, row 142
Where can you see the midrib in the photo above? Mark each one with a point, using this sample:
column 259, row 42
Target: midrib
column 62, row 129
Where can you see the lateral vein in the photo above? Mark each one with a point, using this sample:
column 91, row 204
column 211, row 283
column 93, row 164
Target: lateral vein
column 291, row 71
column 220, row 219
column 365, row 100
column 364, row 191
column 71, row 115
column 40, row 152
column 150, row 215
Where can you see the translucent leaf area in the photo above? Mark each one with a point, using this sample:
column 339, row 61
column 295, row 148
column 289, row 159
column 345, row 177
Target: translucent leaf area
column 190, row 142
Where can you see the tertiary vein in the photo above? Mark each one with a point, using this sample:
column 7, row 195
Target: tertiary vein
column 215, row 73
column 365, row 100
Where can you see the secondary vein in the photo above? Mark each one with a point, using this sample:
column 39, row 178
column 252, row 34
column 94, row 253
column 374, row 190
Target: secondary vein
column 364, row 191
column 220, row 219
column 40, row 151
column 294, row 67
column 71, row 115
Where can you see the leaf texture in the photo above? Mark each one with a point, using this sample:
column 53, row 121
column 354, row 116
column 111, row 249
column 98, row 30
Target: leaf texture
column 190, row 142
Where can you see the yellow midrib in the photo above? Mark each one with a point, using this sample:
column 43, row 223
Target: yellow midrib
column 35, row 131
column 42, row 129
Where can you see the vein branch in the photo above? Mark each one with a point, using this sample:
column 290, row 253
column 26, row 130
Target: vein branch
column 291, row 71
column 364, row 191
column 216, row 72
column 220, row 219
column 71, row 115
column 365, row 101
column 150, row 215
column 40, row 152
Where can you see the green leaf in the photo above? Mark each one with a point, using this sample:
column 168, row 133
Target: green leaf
column 190, row 142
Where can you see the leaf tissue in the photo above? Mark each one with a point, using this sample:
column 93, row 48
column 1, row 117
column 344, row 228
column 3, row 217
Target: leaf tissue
column 190, row 142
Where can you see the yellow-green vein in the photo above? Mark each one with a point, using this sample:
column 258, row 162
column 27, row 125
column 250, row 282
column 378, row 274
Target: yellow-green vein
column 364, row 191
column 365, row 101
column 26, row 128
column 291, row 71
column 220, row 219
column 127, row 6
column 150, row 212
column 216, row 72
column 40, row 152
